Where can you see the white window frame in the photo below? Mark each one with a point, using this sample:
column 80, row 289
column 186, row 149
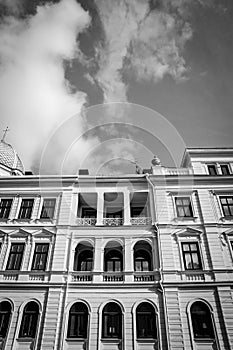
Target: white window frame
column 218, row 196
column 190, row 324
column 189, row 235
column 19, row 206
column 7, row 197
column 182, row 195
column 41, row 206
column 14, row 240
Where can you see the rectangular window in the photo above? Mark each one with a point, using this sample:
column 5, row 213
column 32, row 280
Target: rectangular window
column 184, row 207
column 26, row 209
column 5, row 207
column 16, row 256
column 191, row 256
column 40, row 256
column 212, row 169
column 225, row 169
column 48, row 208
column 227, row 205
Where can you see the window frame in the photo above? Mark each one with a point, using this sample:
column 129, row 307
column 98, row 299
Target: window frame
column 154, row 326
column 22, row 321
column 19, row 216
column 119, row 322
column 227, row 165
column 40, row 253
column 191, row 208
column 76, row 261
column 220, row 196
column 9, row 209
column 211, row 318
column 9, row 318
column 106, row 261
column 191, row 252
column 54, row 199
column 86, row 320
column 11, row 244
column 214, row 165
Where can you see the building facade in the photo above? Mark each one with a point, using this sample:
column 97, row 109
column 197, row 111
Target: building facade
column 133, row 262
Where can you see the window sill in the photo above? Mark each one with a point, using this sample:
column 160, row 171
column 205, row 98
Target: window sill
column 204, row 340
column 25, row 340
column 185, row 218
column 111, row 340
column 147, row 340
column 76, row 340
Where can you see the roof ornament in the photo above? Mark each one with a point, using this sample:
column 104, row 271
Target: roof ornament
column 4, row 134
column 156, row 161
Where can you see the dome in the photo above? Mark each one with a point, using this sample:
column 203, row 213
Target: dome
column 10, row 159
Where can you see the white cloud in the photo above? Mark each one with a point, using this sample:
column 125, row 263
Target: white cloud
column 147, row 41
column 34, row 93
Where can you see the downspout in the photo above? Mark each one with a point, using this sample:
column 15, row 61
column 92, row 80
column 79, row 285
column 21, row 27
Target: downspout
column 65, row 293
column 156, row 229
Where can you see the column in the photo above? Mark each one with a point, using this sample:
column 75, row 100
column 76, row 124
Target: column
column 98, row 260
column 128, row 257
column 100, row 208
column 127, row 208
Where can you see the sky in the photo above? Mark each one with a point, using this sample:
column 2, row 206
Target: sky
column 103, row 84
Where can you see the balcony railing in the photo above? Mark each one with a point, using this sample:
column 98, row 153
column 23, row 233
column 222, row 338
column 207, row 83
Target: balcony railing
column 144, row 276
column 79, row 276
column 140, row 221
column 113, row 221
column 86, row 221
column 113, row 277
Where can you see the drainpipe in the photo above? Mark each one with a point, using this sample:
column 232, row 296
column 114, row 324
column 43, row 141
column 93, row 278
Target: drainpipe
column 156, row 229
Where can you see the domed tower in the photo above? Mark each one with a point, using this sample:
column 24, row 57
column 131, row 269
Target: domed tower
column 10, row 163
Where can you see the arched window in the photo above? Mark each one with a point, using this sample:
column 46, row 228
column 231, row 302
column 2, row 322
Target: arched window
column 113, row 261
column 83, row 260
column 146, row 321
column 78, row 320
column 5, row 314
column 112, row 321
column 142, row 257
column 29, row 320
column 201, row 320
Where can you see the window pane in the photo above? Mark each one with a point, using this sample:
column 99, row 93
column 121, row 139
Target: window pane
column 201, row 321
column 40, row 256
column 5, row 313
column 48, row 208
column 225, row 169
column 15, row 257
column 146, row 321
column 112, row 319
column 78, row 319
column 29, row 321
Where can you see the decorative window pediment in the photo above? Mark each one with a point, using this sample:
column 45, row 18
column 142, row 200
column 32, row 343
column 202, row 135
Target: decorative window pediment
column 187, row 232
column 44, row 233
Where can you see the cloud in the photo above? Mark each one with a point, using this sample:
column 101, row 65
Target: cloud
column 143, row 37
column 12, row 6
column 34, row 94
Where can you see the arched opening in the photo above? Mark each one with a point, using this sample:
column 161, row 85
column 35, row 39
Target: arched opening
column 29, row 320
column 78, row 321
column 201, row 320
column 142, row 257
column 112, row 321
column 113, row 257
column 5, row 315
column 146, row 321
column 83, row 258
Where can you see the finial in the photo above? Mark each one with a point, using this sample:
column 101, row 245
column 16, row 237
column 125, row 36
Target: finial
column 4, row 133
column 156, row 161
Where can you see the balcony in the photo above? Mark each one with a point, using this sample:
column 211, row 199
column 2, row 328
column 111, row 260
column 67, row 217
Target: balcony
column 140, row 221
column 86, row 221
column 144, row 276
column 113, row 277
column 86, row 276
column 177, row 171
column 113, row 221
